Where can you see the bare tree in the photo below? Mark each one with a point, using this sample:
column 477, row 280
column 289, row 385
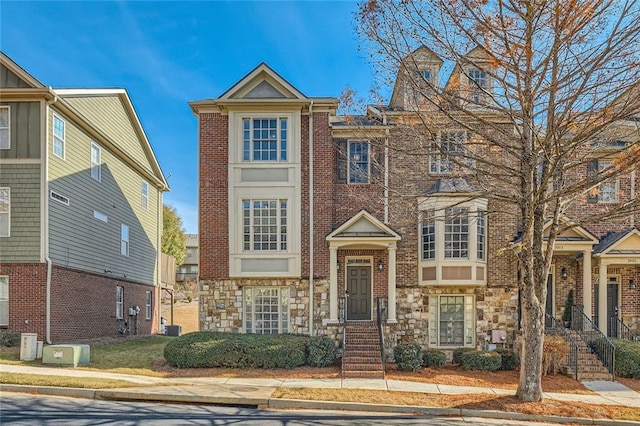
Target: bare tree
column 545, row 86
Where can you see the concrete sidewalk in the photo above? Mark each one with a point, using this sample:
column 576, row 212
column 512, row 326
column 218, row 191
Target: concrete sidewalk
column 257, row 392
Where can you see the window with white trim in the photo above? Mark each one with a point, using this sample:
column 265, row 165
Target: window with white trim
column 448, row 152
column 100, row 216
column 124, row 240
column 428, row 235
column 59, row 136
column 59, row 198
column 451, row 321
column 5, row 212
column 148, row 305
column 4, row 301
column 480, row 85
column 264, row 225
column 96, row 162
column 264, row 139
column 266, row 310
column 359, row 162
column 605, row 192
column 481, row 235
column 5, row 127
column 145, row 195
column 456, row 233
column 119, row 302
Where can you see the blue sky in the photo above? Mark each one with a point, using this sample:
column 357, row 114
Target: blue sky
column 169, row 53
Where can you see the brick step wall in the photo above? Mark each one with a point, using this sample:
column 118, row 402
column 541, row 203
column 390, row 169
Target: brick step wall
column 589, row 366
column 361, row 354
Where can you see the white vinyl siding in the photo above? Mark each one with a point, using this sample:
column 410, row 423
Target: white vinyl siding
column 451, row 321
column 5, row 212
column 4, row 301
column 59, row 137
column 266, row 310
column 96, row 162
column 5, row 127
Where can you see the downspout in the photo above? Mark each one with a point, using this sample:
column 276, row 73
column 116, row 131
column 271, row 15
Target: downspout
column 311, row 242
column 386, row 171
column 159, row 266
column 45, row 207
column 633, row 195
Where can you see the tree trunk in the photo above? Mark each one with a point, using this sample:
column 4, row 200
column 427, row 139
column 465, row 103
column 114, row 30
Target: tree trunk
column 530, row 384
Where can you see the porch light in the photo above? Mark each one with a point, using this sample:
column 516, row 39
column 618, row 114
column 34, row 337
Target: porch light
column 338, row 265
column 564, row 273
column 380, row 266
column 632, row 284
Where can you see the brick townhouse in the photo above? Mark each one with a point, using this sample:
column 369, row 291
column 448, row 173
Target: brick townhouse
column 307, row 218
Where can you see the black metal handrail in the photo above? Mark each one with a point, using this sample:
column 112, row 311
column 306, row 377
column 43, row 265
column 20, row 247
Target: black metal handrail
column 379, row 313
column 597, row 341
column 343, row 318
column 622, row 330
column 553, row 327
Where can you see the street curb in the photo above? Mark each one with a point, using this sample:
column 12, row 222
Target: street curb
column 278, row 403
column 50, row 390
column 123, row 395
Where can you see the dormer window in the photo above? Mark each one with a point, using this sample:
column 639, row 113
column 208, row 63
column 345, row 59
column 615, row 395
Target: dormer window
column 479, row 85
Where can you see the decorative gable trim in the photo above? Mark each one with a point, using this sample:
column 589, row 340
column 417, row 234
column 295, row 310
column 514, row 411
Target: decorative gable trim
column 363, row 226
column 250, row 84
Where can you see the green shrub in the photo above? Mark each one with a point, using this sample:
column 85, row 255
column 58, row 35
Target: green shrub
column 321, row 351
column 510, row 361
column 213, row 350
column 408, row 356
column 480, row 360
column 457, row 354
column 9, row 338
column 434, row 358
column 627, row 358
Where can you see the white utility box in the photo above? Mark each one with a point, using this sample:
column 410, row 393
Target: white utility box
column 28, row 346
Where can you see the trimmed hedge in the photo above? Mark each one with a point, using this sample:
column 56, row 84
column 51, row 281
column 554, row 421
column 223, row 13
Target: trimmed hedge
column 434, row 358
column 627, row 358
column 321, row 352
column 408, row 356
column 214, row 350
column 458, row 352
column 9, row 338
column 510, row 361
column 479, row 360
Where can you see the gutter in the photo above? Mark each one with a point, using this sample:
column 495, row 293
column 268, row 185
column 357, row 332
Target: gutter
column 311, row 230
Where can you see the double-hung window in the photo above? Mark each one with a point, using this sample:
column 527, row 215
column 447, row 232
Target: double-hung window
column 449, row 152
column 145, row 195
column 264, row 225
column 59, row 135
column 96, row 167
column 479, row 82
column 119, row 302
column 451, row 320
column 266, row 310
column 456, row 233
column 149, row 305
column 4, row 301
column 428, row 235
column 124, row 240
column 607, row 190
column 5, row 131
column 359, row 162
column 5, row 212
column 481, row 235
column 265, row 139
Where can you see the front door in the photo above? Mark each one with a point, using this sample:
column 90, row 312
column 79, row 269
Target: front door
column 359, row 293
column 612, row 308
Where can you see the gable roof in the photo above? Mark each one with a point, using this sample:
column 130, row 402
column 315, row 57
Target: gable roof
column 623, row 242
column 111, row 115
column 363, row 226
column 19, row 72
column 263, row 86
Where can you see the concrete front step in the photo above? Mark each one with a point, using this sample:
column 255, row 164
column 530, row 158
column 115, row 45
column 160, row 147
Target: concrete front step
column 363, row 375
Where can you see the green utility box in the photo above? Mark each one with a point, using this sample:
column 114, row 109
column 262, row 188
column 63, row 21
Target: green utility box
column 66, row 355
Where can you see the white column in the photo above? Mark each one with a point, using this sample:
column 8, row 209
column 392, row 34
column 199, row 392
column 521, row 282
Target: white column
column 602, row 298
column 333, row 284
column 392, row 286
column 587, row 287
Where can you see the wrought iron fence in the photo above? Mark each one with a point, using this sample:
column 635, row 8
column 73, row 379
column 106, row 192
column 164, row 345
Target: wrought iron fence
column 597, row 341
column 380, row 312
column 554, row 328
column 622, row 330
